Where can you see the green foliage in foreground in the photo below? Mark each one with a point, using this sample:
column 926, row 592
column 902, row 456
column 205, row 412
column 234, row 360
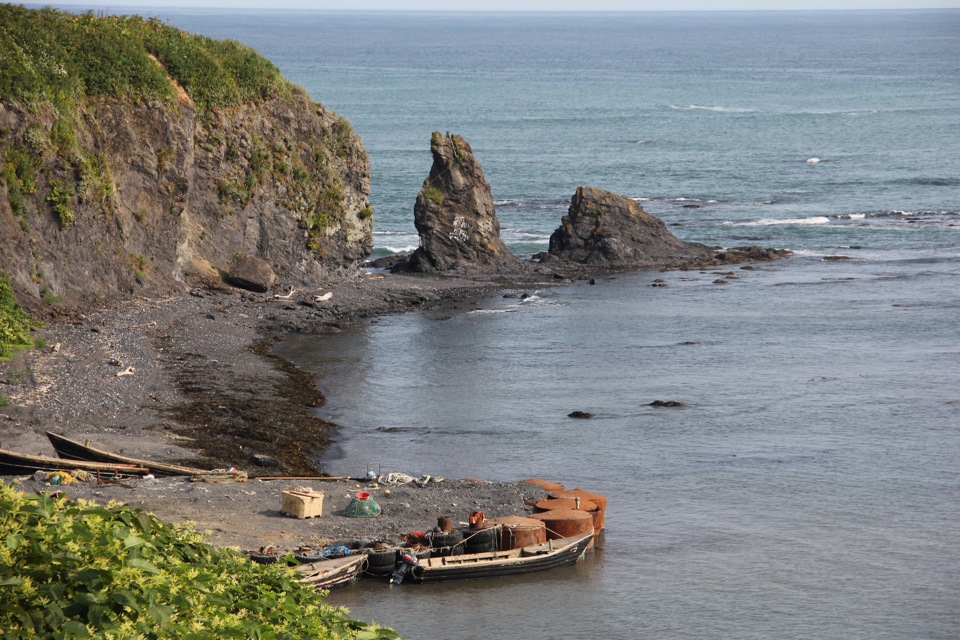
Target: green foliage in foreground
column 50, row 55
column 15, row 323
column 78, row 570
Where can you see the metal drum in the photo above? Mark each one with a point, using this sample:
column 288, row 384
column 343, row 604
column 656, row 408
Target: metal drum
column 517, row 532
column 599, row 500
column 577, row 505
column 565, row 523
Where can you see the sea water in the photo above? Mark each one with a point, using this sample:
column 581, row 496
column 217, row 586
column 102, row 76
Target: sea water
column 810, row 485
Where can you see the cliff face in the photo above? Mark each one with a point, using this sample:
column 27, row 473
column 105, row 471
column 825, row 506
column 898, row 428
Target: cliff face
column 136, row 190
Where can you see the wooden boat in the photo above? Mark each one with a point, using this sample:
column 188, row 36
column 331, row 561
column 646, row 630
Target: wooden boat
column 22, row 464
column 537, row 557
column 75, row 450
column 329, row 574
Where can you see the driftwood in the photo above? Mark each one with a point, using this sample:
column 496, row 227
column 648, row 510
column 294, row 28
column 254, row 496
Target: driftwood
column 324, row 297
column 286, row 296
column 129, row 371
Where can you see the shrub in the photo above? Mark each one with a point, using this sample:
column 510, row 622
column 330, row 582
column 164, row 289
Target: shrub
column 76, row 569
column 433, row 194
column 59, row 199
column 15, row 323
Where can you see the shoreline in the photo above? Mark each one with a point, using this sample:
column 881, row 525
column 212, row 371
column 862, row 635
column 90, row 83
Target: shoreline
column 203, row 390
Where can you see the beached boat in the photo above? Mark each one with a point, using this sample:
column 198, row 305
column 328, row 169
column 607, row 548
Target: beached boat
column 537, row 557
column 75, row 450
column 336, row 572
column 22, row 464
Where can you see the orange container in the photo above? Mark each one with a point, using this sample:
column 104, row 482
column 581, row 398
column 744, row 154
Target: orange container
column 599, row 500
column 571, row 503
column 546, row 484
column 565, row 523
column 517, row 532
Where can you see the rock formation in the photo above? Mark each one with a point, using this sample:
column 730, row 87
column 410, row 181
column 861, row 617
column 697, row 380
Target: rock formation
column 119, row 195
column 454, row 214
column 607, row 230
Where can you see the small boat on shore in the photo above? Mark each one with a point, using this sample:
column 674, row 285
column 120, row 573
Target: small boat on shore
column 22, row 464
column 74, row 450
column 336, row 572
column 538, row 557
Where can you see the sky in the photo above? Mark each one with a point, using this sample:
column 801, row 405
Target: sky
column 521, row 5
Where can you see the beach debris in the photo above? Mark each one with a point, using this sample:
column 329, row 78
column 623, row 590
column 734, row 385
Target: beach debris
column 129, row 371
column 285, row 296
column 220, row 476
column 362, row 505
column 302, row 502
column 324, row 297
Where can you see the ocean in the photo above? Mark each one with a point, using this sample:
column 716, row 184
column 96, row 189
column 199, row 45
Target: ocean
column 810, row 485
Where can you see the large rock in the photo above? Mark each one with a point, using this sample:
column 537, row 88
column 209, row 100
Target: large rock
column 604, row 229
column 251, row 272
column 454, row 214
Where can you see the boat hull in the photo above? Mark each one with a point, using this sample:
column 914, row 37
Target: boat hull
column 330, row 574
column 21, row 464
column 73, row 450
column 540, row 557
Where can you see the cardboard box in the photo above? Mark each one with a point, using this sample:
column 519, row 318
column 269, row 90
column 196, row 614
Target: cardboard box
column 301, row 503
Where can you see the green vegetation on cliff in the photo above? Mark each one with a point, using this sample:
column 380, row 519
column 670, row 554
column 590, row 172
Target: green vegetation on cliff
column 79, row 570
column 50, row 55
column 15, row 323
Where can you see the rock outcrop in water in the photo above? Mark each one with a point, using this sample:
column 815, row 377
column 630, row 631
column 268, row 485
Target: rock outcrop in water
column 454, row 214
column 607, row 230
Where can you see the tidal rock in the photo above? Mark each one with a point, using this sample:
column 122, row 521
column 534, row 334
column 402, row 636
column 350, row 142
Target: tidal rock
column 454, row 214
column 608, row 230
column 665, row 403
column 251, row 273
column 580, row 414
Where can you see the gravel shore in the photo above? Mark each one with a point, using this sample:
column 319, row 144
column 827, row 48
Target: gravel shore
column 200, row 389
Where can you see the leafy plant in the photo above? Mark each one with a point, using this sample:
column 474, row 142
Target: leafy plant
column 76, row 569
column 60, row 198
column 15, row 323
column 5, row 400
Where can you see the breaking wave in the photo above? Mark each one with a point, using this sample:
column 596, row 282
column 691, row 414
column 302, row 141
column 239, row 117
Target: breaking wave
column 701, row 107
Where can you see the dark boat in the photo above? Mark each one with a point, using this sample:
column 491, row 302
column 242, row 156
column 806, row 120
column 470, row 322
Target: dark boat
column 538, row 557
column 75, row 450
column 22, row 464
column 329, row 574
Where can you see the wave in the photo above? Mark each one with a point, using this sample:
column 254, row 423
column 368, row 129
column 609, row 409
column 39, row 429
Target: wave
column 814, row 220
column 700, row 107
column 407, row 249
column 392, row 233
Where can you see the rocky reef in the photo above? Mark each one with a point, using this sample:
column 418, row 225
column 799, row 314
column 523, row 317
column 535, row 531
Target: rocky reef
column 454, row 214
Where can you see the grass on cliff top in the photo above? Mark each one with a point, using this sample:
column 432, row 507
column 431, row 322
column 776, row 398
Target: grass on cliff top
column 50, row 55
column 79, row 570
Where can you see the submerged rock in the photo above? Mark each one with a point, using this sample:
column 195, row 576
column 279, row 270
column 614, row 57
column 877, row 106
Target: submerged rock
column 580, row 414
column 454, row 214
column 665, row 403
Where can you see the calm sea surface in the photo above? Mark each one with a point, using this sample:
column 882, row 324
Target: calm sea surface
column 810, row 486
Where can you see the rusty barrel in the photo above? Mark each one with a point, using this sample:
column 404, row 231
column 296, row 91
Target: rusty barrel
column 517, row 532
column 546, row 485
column 577, row 505
column 599, row 500
column 565, row 523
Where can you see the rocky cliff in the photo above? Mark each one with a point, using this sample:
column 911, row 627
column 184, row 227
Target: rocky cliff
column 135, row 188
column 454, row 214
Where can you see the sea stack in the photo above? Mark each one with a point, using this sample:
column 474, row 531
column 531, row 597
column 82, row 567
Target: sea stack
column 607, row 230
column 454, row 214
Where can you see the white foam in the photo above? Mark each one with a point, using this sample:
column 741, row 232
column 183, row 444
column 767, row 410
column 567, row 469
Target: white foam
column 406, row 249
column 794, row 221
column 813, row 160
column 701, row 107
column 855, row 216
